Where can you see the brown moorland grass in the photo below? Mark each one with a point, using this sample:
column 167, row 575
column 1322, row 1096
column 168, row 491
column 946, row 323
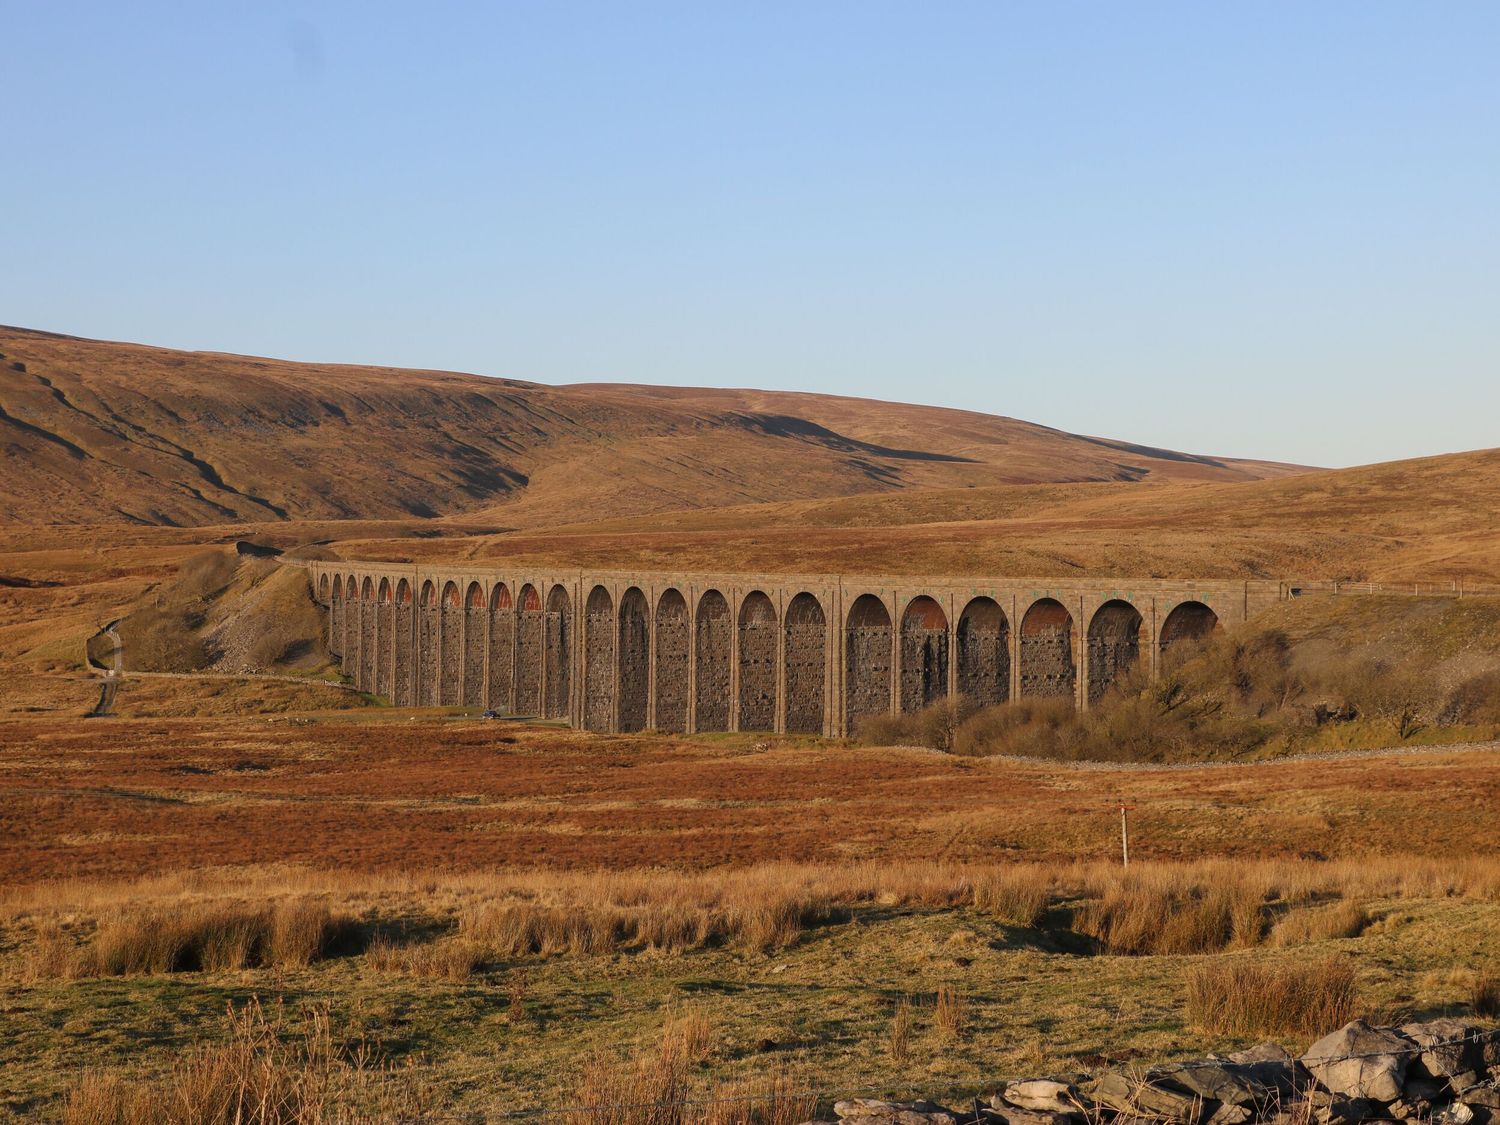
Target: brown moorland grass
column 1238, row 997
column 123, row 798
column 911, row 982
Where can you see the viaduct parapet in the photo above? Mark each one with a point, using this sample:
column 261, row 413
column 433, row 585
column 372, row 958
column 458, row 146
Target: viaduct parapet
column 695, row 652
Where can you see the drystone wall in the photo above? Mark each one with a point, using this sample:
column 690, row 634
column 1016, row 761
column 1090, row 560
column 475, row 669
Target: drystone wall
column 1437, row 1072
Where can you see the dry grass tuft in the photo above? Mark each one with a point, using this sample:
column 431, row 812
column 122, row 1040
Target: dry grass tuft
column 213, row 937
column 1166, row 911
column 1484, row 997
column 949, row 1015
column 898, row 1038
column 453, row 959
column 1017, row 896
column 1241, row 998
column 256, row 1078
column 1324, row 923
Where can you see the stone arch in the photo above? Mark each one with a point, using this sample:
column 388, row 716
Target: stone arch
column 1048, row 669
column 451, row 646
column 369, row 639
column 924, row 654
column 633, row 687
column 559, row 654
column 713, row 634
column 385, row 638
column 351, row 625
column 427, row 646
column 502, row 649
column 336, row 619
column 806, row 637
column 598, row 660
column 1188, row 623
column 984, row 653
column 1114, row 644
column 323, row 588
column 672, row 636
column 403, row 695
column 476, row 640
column 530, row 651
column 757, row 663
column 867, row 660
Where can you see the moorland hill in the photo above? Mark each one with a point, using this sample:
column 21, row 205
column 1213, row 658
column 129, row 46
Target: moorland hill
column 100, row 432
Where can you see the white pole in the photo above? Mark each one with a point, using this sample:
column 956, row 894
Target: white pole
column 1124, row 839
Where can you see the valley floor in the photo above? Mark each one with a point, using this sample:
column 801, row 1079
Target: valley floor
column 410, row 828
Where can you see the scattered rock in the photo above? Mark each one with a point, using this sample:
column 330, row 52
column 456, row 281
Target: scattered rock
column 1361, row 1061
column 1450, row 1047
column 1042, row 1095
column 1222, row 1082
column 872, row 1111
column 1140, row 1098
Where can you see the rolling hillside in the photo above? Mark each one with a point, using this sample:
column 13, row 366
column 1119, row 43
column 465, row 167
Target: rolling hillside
column 1435, row 519
column 95, row 432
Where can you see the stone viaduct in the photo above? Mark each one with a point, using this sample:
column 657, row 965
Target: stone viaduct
column 694, row 652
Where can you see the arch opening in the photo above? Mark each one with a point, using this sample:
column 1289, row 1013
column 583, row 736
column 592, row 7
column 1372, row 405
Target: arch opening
column 634, row 681
column 427, row 647
column 501, row 686
column 367, row 670
column 1048, row 668
column 713, row 634
column 1187, row 627
column 867, row 660
column 1114, row 645
column 336, row 621
column 476, row 641
column 806, row 639
column 598, row 660
column 451, row 647
column 757, row 644
column 530, row 651
column 924, row 654
column 402, row 691
column 984, row 653
column 385, row 641
column 559, row 655
column 672, row 639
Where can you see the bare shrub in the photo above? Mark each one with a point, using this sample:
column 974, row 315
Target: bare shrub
column 1242, row 998
column 1323, row 923
column 1031, row 727
column 1476, row 700
column 889, row 730
column 204, row 575
column 164, row 640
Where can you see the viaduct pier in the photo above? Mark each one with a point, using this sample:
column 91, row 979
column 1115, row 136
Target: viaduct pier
column 695, row 652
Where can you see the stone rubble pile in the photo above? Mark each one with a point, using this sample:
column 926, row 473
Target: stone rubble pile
column 1442, row 1072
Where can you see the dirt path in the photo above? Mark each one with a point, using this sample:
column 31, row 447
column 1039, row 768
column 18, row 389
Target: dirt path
column 109, row 683
column 110, row 686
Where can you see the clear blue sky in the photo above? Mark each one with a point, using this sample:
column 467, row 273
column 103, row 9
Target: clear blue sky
column 1262, row 229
